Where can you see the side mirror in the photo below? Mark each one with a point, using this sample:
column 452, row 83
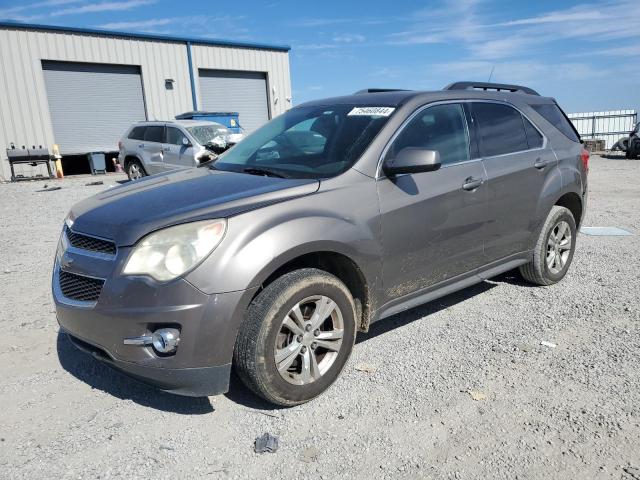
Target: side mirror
column 412, row 160
column 186, row 142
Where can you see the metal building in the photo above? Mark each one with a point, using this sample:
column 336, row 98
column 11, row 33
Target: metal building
column 81, row 88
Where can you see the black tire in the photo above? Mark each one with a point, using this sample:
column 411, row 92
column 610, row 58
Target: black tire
column 131, row 167
column 254, row 352
column 538, row 271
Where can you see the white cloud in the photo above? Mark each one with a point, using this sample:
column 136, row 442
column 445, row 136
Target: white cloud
column 349, row 38
column 531, row 73
column 143, row 24
column 102, row 7
column 574, row 15
column 15, row 13
column 315, row 46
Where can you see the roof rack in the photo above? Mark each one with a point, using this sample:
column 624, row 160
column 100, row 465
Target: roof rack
column 380, row 90
column 490, row 86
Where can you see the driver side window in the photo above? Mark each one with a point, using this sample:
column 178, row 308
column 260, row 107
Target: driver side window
column 442, row 128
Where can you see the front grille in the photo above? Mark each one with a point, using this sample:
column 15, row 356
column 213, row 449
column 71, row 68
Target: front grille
column 79, row 287
column 86, row 242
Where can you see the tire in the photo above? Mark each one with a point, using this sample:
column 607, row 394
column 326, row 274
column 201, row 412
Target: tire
column 135, row 170
column 264, row 339
column 540, row 271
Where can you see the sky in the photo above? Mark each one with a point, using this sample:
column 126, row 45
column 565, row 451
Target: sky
column 585, row 54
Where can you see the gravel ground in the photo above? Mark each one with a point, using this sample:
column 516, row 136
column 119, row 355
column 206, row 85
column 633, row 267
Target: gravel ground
column 458, row 388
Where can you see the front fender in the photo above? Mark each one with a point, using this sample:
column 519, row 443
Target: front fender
column 260, row 241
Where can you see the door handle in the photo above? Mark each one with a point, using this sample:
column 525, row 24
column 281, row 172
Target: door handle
column 540, row 164
column 141, row 145
column 471, row 183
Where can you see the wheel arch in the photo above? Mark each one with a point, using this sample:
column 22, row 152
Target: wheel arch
column 573, row 202
column 332, row 261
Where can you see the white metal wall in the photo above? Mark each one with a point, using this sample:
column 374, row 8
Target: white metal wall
column 24, row 111
column 609, row 126
column 275, row 64
column 233, row 91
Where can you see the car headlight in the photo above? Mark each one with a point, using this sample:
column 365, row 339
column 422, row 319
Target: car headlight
column 169, row 253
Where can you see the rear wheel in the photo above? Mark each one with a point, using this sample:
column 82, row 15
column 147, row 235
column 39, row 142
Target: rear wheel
column 135, row 170
column 296, row 338
column 554, row 249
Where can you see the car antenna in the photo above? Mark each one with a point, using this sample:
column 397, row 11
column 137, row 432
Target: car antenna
column 491, row 74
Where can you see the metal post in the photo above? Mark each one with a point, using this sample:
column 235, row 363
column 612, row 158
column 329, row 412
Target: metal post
column 192, row 79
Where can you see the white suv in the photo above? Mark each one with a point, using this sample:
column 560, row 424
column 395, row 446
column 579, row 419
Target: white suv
column 154, row 147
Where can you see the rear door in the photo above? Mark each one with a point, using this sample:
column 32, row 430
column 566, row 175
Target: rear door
column 518, row 162
column 176, row 153
column 150, row 149
column 433, row 222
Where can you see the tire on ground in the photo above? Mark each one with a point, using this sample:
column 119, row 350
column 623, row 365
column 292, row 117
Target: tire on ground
column 254, row 352
column 137, row 163
column 537, row 271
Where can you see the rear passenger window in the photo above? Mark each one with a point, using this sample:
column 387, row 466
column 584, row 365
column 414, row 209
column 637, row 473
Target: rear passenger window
column 501, row 129
column 534, row 138
column 552, row 113
column 137, row 133
column 154, row 134
column 442, row 128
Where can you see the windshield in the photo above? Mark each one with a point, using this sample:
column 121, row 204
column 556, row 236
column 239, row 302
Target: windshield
column 205, row 133
column 307, row 142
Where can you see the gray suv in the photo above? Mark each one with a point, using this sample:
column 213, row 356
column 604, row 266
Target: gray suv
column 337, row 214
column 148, row 148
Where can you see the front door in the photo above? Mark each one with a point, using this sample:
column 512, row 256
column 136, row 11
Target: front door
column 433, row 222
column 177, row 153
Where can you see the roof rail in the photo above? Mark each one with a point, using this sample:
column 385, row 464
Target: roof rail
column 490, row 86
column 380, row 90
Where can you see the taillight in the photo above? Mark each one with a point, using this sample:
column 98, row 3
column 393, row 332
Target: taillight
column 584, row 156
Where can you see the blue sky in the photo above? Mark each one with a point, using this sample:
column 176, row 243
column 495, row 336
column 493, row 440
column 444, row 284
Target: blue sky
column 587, row 55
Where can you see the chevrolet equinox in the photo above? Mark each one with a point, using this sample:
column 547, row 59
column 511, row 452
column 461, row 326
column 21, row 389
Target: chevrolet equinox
column 339, row 213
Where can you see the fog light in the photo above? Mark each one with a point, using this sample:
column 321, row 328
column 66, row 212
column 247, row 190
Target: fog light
column 165, row 340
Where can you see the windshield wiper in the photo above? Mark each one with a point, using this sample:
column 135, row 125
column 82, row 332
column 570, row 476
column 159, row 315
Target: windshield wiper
column 263, row 172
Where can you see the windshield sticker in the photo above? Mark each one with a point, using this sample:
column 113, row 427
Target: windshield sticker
column 372, row 111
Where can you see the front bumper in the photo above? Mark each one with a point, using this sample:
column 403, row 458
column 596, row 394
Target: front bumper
column 192, row 382
column 136, row 306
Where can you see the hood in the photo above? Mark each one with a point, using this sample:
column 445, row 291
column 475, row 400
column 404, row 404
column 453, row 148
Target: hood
column 128, row 212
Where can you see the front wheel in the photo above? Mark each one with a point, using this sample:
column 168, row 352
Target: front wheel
column 554, row 249
column 296, row 338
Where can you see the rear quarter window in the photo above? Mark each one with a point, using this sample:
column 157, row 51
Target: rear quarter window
column 552, row 113
column 137, row 133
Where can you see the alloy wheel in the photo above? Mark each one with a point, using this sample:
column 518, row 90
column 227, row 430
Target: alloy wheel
column 309, row 340
column 558, row 247
column 135, row 172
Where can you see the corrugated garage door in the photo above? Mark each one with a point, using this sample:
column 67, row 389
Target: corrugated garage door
column 242, row 92
column 92, row 105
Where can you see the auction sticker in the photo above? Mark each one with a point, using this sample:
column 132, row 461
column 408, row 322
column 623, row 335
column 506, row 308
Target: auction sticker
column 372, row 111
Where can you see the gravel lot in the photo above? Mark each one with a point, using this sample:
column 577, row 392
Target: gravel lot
column 458, row 388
